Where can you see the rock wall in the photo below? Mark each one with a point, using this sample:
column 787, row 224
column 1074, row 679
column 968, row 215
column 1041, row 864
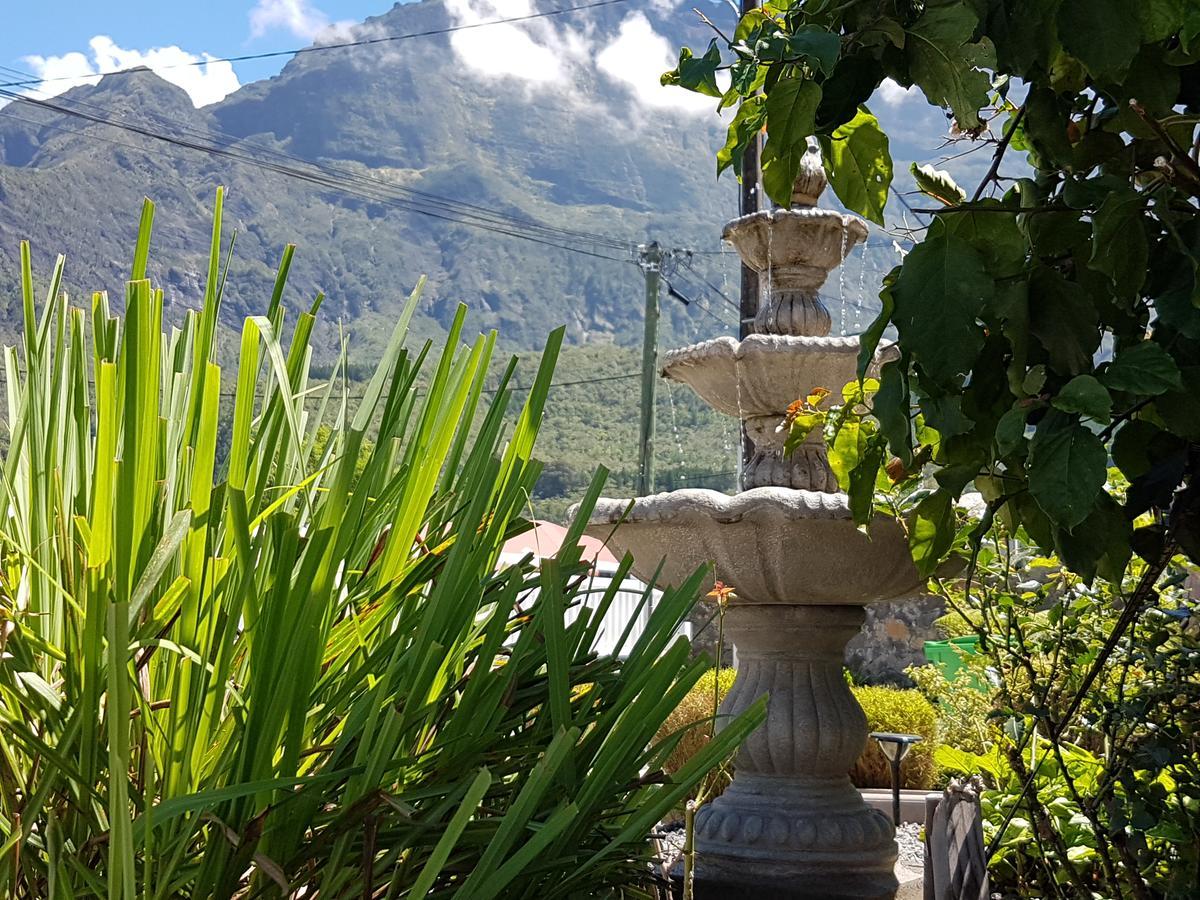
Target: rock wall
column 893, row 638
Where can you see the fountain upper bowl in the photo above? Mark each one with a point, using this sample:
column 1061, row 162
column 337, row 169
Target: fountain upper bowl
column 780, row 239
column 772, row 544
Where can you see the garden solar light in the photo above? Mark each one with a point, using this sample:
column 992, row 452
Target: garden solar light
column 895, row 747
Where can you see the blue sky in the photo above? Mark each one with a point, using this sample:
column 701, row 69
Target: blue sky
column 58, row 38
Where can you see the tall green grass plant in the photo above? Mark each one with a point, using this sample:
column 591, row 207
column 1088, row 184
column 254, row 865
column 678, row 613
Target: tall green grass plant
column 299, row 670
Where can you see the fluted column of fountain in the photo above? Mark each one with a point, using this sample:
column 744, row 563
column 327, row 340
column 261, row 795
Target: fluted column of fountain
column 791, row 824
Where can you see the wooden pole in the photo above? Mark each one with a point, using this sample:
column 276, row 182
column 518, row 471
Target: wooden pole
column 750, row 203
column 650, row 258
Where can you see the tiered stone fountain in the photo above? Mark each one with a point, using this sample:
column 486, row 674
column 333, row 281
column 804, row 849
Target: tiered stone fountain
column 791, row 824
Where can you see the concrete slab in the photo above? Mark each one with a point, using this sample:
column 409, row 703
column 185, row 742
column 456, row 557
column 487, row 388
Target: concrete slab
column 912, row 803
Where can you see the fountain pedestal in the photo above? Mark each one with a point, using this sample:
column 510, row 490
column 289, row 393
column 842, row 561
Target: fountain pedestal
column 791, row 824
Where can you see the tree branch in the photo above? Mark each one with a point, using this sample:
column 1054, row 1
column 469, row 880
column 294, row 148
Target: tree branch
column 1005, row 140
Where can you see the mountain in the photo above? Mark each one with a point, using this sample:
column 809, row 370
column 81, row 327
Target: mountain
column 431, row 123
column 581, row 155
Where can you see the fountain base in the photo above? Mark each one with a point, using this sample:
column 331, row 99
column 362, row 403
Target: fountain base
column 794, row 837
column 791, row 824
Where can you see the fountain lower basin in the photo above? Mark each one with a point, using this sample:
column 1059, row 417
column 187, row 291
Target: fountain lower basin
column 772, row 544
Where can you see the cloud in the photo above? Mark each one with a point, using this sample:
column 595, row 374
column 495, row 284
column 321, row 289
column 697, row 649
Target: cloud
column 298, row 17
column 203, row 78
column 893, row 95
column 507, row 50
column 637, row 57
column 550, row 54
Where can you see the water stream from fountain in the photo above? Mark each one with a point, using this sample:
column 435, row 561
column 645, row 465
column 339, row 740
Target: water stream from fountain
column 675, row 429
column 842, row 273
column 861, row 299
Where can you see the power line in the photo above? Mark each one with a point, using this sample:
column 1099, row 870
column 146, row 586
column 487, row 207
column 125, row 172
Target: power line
column 468, row 210
column 334, row 182
column 341, row 45
column 720, row 293
column 230, row 394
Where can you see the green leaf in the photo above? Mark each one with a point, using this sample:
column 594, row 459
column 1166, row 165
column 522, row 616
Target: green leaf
column 1180, row 409
column 1067, row 469
column 1145, row 368
column 860, row 165
column 994, row 235
column 743, row 129
column 1119, row 246
column 868, row 341
column 1100, row 544
column 454, row 829
column 1140, row 444
column 750, row 23
column 1099, row 34
column 1045, row 127
column 945, row 414
column 697, row 74
column 937, row 184
column 791, row 113
column 791, row 118
column 1159, row 19
column 849, row 447
column 932, row 531
column 1085, row 395
column 891, row 406
column 817, row 46
column 1063, row 320
column 943, row 287
column 1010, row 431
column 779, row 174
column 861, row 488
column 946, row 66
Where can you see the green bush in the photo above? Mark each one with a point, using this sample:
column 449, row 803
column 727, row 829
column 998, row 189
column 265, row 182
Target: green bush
column 691, row 718
column 887, row 709
column 963, row 712
column 906, row 712
column 299, row 672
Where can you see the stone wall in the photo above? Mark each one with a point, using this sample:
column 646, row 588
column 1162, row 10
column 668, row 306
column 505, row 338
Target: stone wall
column 893, row 638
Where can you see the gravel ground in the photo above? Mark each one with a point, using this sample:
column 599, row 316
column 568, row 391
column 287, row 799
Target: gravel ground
column 908, row 841
column 912, row 851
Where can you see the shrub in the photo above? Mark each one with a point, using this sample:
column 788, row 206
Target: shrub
column 956, row 625
column 283, row 675
column 963, row 712
column 906, row 712
column 887, row 709
column 691, row 717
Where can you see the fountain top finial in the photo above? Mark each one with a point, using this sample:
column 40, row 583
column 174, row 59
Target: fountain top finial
column 812, row 180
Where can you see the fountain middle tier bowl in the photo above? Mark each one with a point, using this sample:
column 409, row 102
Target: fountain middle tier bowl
column 762, row 374
column 771, row 544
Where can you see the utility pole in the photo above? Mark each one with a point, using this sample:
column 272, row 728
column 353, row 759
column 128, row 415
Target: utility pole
column 650, row 258
column 750, row 200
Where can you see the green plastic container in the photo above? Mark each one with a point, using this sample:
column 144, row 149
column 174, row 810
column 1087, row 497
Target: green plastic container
column 947, row 655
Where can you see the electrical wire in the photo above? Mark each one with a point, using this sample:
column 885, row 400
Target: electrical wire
column 340, row 45
column 468, row 210
column 699, row 276
column 378, row 193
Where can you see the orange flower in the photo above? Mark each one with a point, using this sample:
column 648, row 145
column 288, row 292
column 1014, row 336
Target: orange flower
column 722, row 593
